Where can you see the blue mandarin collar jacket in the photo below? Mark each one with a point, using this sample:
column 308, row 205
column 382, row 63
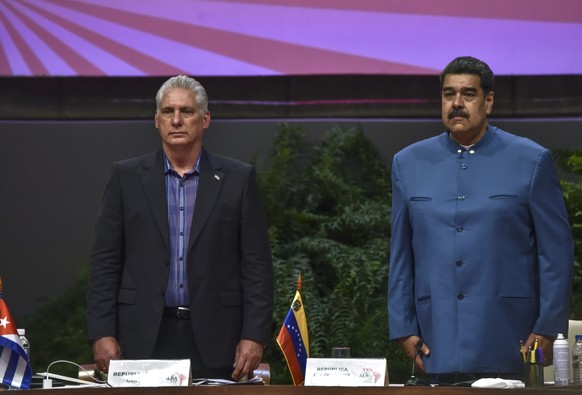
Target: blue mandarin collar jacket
column 481, row 250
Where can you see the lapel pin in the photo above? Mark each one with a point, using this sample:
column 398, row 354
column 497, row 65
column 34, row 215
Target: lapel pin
column 217, row 177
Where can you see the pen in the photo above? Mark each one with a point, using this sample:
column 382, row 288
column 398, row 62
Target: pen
column 522, row 351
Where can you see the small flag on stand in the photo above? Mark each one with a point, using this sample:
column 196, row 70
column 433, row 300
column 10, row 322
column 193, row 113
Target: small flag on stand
column 293, row 338
column 15, row 370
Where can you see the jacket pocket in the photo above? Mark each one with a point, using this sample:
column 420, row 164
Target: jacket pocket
column 420, row 199
column 503, row 197
column 229, row 299
column 127, row 296
column 515, row 296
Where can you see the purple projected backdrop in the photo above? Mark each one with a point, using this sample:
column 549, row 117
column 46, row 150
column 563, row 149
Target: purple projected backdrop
column 286, row 37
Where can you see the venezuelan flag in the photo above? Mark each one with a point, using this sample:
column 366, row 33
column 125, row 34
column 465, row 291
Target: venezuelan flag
column 294, row 340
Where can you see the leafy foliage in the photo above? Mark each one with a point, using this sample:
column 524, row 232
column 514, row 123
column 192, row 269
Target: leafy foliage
column 57, row 331
column 570, row 162
column 328, row 208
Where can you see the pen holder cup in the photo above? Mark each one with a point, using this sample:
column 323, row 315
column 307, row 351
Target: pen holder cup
column 533, row 374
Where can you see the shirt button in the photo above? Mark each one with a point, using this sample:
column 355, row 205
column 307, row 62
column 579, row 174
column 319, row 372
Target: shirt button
column 181, row 259
column 459, row 228
column 460, row 296
column 459, row 263
column 472, row 152
column 461, row 197
column 464, row 166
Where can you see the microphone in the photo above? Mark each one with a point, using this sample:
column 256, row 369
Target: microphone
column 413, row 380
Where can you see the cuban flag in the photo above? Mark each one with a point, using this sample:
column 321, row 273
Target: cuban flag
column 15, row 370
column 294, row 341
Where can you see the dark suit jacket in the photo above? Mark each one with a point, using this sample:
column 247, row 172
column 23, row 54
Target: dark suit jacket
column 229, row 265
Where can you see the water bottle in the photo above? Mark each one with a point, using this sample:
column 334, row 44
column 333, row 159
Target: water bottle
column 577, row 361
column 561, row 361
column 24, row 341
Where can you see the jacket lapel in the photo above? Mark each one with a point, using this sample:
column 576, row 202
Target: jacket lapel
column 154, row 185
column 209, row 184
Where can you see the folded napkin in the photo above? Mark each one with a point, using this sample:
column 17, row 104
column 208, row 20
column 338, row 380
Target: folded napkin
column 497, row 383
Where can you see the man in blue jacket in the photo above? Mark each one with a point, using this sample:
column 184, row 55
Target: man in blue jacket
column 481, row 250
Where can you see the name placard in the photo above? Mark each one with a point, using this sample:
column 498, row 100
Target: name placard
column 149, row 373
column 346, row 372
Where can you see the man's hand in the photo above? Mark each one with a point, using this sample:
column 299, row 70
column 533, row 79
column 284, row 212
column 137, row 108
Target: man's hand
column 408, row 344
column 104, row 350
column 546, row 343
column 246, row 358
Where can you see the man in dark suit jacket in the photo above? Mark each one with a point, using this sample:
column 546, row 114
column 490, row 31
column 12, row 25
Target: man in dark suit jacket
column 181, row 265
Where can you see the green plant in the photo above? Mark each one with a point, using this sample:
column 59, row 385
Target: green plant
column 570, row 164
column 328, row 208
column 57, row 330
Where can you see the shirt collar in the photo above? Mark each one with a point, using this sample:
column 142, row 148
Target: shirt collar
column 479, row 145
column 168, row 166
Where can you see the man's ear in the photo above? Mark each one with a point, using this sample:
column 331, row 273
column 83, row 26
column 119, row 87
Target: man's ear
column 489, row 99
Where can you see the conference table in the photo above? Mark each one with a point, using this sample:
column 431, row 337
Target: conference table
column 292, row 390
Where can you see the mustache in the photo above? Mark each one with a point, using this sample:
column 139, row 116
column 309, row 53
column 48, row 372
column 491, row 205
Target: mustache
column 458, row 112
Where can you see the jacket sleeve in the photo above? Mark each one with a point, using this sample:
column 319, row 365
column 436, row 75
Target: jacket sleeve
column 401, row 304
column 555, row 246
column 256, row 266
column 106, row 263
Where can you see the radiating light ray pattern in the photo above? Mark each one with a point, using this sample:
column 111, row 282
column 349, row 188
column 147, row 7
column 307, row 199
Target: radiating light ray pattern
column 286, row 37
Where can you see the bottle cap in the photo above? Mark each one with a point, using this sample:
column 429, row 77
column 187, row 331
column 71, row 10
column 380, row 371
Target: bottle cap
column 578, row 337
column 21, row 332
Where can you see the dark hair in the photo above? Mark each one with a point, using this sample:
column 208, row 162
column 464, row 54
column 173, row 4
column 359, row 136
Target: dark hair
column 470, row 65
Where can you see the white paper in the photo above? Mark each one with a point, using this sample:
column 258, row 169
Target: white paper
column 149, row 373
column 346, row 372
